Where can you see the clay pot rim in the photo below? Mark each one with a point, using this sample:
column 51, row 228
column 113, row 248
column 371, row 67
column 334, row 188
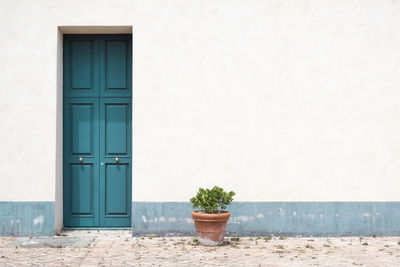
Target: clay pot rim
column 223, row 215
column 217, row 212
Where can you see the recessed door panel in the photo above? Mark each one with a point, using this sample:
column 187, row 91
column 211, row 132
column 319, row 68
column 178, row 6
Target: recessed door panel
column 116, row 128
column 116, row 185
column 81, row 125
column 116, row 66
column 81, row 66
column 82, row 189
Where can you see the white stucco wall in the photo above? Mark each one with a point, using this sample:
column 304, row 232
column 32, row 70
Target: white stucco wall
column 277, row 100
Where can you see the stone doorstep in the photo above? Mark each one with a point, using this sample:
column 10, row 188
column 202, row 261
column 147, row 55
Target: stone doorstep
column 51, row 242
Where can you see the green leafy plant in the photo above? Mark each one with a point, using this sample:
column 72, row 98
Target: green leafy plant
column 209, row 200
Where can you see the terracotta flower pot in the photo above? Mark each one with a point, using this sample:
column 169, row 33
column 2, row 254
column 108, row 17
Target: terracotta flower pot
column 210, row 228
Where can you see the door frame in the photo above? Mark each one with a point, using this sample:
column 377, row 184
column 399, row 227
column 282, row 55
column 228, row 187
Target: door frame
column 61, row 30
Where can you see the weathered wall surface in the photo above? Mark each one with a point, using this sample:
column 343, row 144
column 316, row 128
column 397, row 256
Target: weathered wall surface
column 277, row 100
column 26, row 218
column 276, row 218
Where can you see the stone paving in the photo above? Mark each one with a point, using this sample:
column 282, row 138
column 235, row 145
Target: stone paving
column 119, row 248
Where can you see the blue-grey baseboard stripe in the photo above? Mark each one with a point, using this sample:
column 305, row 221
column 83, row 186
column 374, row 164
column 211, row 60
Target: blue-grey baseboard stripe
column 277, row 218
column 247, row 218
column 26, row 218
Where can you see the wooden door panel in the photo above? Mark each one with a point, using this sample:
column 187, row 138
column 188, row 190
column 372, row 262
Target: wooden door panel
column 81, row 66
column 115, row 154
column 81, row 127
column 116, row 128
column 82, row 198
column 81, row 162
column 116, row 65
column 116, row 186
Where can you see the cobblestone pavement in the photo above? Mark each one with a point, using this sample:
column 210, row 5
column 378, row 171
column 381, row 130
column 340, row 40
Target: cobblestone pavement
column 119, row 248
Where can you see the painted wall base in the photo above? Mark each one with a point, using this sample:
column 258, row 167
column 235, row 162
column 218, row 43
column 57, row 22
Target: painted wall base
column 26, row 218
column 275, row 218
column 247, row 219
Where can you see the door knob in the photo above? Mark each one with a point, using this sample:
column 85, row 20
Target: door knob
column 116, row 159
column 80, row 159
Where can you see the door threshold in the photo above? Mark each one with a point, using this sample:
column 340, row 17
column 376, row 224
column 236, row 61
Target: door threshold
column 95, row 228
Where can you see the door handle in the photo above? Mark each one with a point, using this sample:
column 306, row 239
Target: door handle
column 116, row 159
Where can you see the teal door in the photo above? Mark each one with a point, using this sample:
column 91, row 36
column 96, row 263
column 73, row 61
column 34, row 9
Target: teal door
column 97, row 130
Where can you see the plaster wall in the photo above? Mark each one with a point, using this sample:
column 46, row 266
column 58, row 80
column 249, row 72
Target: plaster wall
column 277, row 100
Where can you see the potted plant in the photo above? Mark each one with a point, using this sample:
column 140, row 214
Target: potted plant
column 210, row 221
